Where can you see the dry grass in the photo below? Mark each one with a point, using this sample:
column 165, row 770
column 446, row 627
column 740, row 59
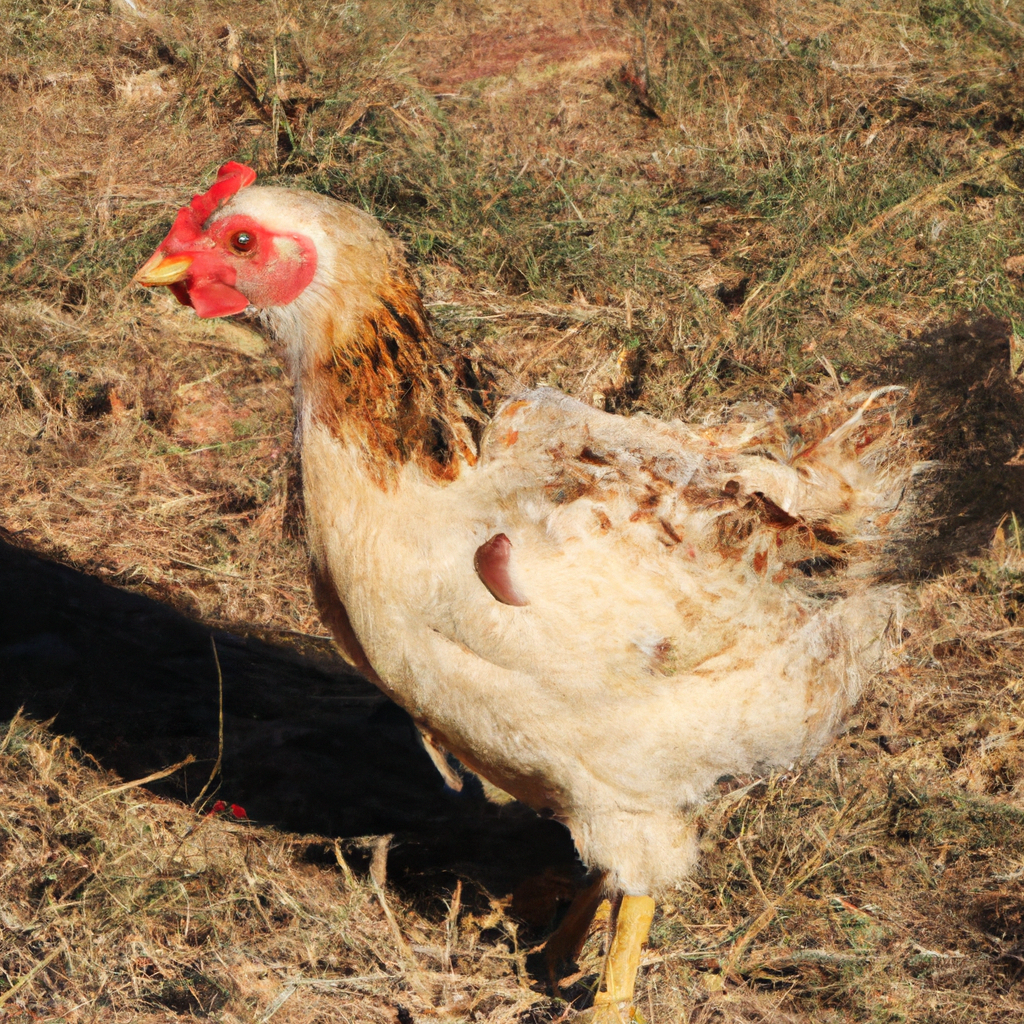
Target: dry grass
column 121, row 907
column 658, row 206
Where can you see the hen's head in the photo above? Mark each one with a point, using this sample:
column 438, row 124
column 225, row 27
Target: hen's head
column 273, row 250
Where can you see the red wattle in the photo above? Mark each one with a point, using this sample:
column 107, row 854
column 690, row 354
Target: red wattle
column 212, row 298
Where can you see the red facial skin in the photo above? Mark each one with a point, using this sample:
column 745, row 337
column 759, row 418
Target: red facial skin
column 268, row 269
column 223, row 280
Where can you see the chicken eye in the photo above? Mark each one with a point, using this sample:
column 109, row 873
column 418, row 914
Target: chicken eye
column 242, row 241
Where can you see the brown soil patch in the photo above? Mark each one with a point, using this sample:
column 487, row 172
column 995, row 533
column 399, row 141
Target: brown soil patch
column 542, row 51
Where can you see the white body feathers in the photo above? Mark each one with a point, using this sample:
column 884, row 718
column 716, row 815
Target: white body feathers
column 648, row 662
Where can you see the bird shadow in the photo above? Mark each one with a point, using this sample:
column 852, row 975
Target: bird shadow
column 309, row 745
column 968, row 406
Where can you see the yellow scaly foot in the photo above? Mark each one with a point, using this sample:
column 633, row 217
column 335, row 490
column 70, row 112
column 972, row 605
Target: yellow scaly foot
column 613, row 1003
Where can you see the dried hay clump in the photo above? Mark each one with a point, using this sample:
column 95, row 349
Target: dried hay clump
column 885, row 881
column 119, row 906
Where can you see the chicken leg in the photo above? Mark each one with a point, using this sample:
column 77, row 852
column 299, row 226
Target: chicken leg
column 613, row 1003
column 565, row 943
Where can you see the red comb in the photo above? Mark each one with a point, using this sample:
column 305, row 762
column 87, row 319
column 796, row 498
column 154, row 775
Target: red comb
column 188, row 225
column 230, row 178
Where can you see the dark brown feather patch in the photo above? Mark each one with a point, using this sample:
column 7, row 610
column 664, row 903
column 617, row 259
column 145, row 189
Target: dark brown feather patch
column 491, row 562
column 387, row 380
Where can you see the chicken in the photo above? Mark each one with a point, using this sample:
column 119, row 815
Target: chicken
column 600, row 614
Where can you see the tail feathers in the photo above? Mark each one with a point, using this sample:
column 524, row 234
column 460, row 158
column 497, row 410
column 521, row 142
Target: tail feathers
column 826, row 488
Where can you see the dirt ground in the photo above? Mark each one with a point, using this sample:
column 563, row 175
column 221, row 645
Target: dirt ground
column 666, row 207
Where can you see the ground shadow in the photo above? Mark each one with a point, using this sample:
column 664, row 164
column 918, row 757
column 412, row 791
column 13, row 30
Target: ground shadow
column 310, row 746
column 969, row 408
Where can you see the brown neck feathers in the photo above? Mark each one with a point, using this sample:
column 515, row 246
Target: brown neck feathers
column 383, row 383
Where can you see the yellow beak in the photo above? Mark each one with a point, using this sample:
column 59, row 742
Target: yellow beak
column 160, row 269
